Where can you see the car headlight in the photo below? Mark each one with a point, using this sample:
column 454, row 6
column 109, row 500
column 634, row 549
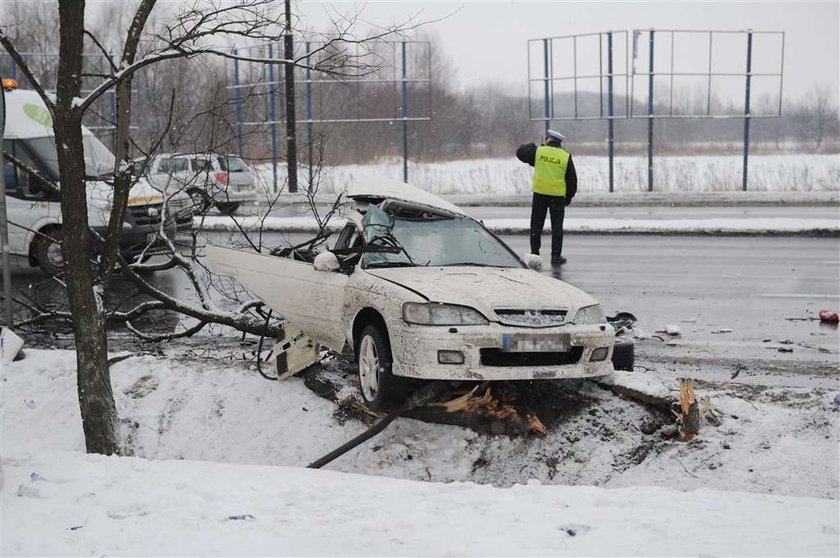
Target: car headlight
column 590, row 315
column 433, row 313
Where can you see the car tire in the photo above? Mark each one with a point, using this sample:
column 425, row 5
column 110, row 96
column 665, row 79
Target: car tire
column 49, row 253
column 624, row 354
column 380, row 388
column 228, row 208
column 201, row 201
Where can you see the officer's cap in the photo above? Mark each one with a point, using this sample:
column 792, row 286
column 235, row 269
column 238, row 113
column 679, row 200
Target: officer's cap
column 556, row 135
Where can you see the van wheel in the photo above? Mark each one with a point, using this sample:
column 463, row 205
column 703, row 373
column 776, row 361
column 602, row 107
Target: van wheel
column 624, row 354
column 49, row 253
column 380, row 388
column 228, row 208
column 201, row 201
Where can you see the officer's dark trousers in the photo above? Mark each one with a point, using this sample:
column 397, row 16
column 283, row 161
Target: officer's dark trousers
column 556, row 206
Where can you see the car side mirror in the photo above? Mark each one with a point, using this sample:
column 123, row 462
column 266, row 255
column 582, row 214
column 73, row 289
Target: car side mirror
column 533, row 261
column 326, row 261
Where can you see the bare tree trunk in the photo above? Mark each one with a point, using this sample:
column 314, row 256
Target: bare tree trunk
column 122, row 174
column 96, row 398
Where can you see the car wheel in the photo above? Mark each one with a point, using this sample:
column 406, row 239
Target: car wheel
column 380, row 388
column 624, row 354
column 228, row 208
column 201, row 201
column 49, row 253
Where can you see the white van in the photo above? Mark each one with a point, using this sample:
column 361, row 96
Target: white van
column 34, row 212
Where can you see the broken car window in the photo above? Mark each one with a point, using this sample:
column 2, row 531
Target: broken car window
column 432, row 239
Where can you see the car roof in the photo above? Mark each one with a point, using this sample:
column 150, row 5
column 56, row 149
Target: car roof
column 195, row 155
column 375, row 189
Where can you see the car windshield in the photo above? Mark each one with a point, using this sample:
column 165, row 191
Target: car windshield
column 232, row 164
column 426, row 238
column 99, row 161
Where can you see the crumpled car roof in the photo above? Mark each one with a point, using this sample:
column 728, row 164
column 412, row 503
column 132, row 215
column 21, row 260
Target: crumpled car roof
column 378, row 188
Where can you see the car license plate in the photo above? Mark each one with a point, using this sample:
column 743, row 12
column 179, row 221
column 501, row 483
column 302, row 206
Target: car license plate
column 535, row 342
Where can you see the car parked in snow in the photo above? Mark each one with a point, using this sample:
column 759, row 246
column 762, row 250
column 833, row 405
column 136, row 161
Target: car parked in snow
column 422, row 291
column 211, row 179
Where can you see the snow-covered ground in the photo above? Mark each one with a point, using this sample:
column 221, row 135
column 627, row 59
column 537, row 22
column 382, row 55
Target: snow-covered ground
column 215, row 455
column 678, row 174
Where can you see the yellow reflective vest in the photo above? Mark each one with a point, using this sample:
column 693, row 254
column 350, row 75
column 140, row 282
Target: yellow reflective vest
column 550, row 170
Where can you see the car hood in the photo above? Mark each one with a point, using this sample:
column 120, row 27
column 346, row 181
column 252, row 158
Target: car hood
column 488, row 288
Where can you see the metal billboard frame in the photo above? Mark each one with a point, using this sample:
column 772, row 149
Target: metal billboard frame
column 401, row 82
column 548, row 79
column 748, row 74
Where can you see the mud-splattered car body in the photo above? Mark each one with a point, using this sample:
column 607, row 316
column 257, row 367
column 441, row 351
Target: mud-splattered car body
column 451, row 301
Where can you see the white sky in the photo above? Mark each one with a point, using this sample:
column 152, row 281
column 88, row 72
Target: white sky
column 486, row 41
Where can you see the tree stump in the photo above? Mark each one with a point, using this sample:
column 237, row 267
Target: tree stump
column 688, row 418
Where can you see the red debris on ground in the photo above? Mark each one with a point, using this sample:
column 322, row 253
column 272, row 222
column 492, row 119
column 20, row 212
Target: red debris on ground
column 829, row 316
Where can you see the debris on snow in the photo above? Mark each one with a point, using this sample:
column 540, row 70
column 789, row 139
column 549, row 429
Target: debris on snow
column 829, row 316
column 670, row 329
column 534, row 261
column 10, row 346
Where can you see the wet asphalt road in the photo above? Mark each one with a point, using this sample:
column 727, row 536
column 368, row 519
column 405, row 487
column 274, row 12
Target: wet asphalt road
column 742, row 304
column 745, row 304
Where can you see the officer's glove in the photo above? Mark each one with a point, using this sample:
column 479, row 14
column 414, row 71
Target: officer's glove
column 567, row 201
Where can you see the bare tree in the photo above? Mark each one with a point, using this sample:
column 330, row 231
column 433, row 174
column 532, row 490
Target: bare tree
column 197, row 30
column 822, row 114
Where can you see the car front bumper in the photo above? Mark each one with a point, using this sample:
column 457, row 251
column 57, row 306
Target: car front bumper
column 415, row 350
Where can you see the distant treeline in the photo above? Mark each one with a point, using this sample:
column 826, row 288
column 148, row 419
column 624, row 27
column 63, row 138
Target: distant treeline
column 481, row 121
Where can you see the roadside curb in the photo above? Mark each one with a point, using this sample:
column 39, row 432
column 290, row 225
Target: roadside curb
column 681, row 227
column 625, row 199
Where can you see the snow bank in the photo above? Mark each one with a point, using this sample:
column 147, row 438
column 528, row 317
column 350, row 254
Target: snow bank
column 508, row 176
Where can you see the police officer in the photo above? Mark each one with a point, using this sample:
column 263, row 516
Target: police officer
column 555, row 184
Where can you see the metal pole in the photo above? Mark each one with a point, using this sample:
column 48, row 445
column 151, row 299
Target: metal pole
column 650, row 114
column 237, row 103
column 546, row 105
column 610, row 135
column 747, row 108
column 4, row 224
column 405, row 115
column 309, row 107
column 273, row 114
column 291, row 124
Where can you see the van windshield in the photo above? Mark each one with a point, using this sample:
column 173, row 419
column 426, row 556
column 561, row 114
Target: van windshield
column 99, row 161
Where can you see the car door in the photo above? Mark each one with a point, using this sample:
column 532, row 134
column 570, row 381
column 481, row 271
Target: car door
column 311, row 301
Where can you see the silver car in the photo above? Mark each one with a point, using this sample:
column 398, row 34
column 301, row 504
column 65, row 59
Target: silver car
column 211, row 180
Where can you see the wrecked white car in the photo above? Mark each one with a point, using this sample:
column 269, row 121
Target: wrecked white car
column 420, row 290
